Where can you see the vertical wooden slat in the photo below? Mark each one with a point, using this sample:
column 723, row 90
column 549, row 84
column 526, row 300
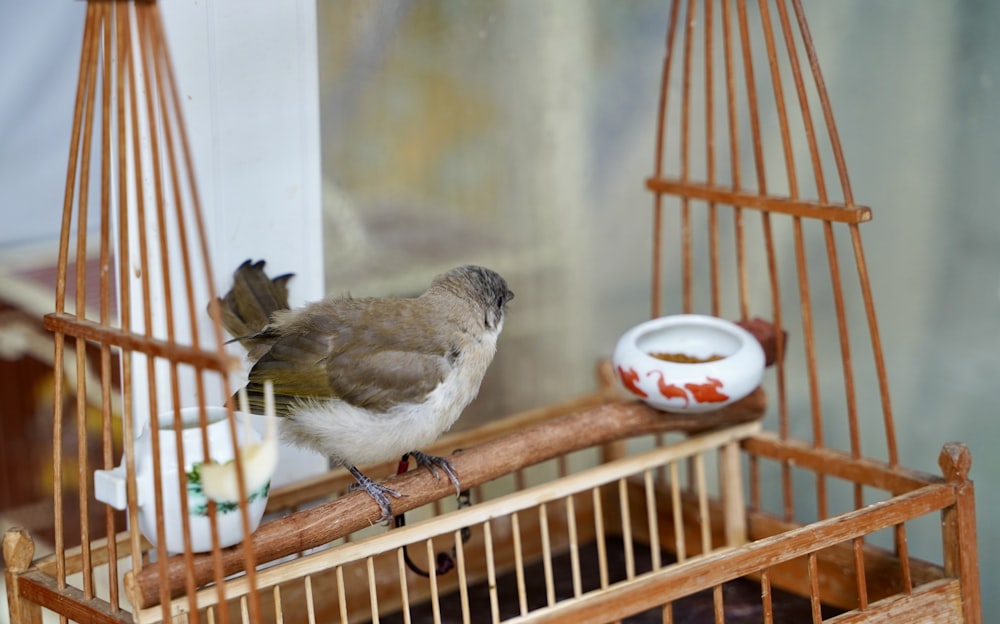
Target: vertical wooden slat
column 574, row 547
column 522, row 597
column 279, row 615
column 903, row 552
column 404, row 589
column 626, row 529
column 125, row 93
column 680, row 542
column 753, row 468
column 765, row 596
column 463, row 580
column 106, row 298
column 491, row 573
column 687, row 268
column 876, row 343
column 731, row 483
column 859, row 573
column 372, row 588
column 667, row 613
column 701, row 487
column 652, row 519
column 718, row 606
column 96, row 35
column 661, row 132
column 739, row 241
column 600, row 537
column 814, row 595
column 713, row 225
column 310, row 605
column 79, row 120
column 958, row 529
column 432, row 579
column 543, row 525
column 341, row 594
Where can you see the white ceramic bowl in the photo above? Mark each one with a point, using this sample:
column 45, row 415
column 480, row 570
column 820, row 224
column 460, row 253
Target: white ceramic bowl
column 689, row 387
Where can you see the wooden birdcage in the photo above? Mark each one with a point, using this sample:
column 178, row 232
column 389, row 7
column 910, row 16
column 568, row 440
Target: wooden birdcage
column 599, row 509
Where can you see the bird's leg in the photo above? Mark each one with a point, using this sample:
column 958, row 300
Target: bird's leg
column 433, row 462
column 377, row 491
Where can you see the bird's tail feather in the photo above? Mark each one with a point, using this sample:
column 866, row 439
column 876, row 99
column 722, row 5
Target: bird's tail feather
column 246, row 310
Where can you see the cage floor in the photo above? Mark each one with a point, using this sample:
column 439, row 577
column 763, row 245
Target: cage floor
column 741, row 598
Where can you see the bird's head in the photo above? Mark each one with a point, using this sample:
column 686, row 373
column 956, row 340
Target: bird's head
column 484, row 288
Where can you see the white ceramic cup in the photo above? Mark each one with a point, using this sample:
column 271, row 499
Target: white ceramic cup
column 109, row 485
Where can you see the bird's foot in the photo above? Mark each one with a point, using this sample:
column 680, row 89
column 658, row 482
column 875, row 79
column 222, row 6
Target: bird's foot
column 433, row 462
column 380, row 493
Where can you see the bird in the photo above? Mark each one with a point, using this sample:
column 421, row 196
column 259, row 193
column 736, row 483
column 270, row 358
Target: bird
column 367, row 380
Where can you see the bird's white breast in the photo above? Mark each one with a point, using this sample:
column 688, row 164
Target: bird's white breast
column 352, row 435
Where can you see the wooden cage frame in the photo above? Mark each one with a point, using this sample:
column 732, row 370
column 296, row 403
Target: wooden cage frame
column 615, row 471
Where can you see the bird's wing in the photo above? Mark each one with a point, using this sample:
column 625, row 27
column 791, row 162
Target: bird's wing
column 385, row 378
column 344, row 350
column 294, row 364
column 381, row 360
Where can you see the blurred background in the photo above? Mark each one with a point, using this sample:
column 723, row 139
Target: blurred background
column 519, row 135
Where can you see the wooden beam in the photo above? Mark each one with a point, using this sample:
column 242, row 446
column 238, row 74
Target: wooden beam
column 939, row 602
column 95, row 332
column 767, row 203
column 69, row 601
column 839, row 464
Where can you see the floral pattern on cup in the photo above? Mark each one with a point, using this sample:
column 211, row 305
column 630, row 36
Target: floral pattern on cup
column 200, row 501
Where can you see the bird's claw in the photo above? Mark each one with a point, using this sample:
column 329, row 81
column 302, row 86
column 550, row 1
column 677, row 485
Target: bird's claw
column 379, row 493
column 433, row 462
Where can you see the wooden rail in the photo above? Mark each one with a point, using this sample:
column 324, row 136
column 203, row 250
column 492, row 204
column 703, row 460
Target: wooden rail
column 322, row 524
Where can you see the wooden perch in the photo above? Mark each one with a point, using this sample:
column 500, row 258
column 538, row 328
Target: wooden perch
column 322, row 524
